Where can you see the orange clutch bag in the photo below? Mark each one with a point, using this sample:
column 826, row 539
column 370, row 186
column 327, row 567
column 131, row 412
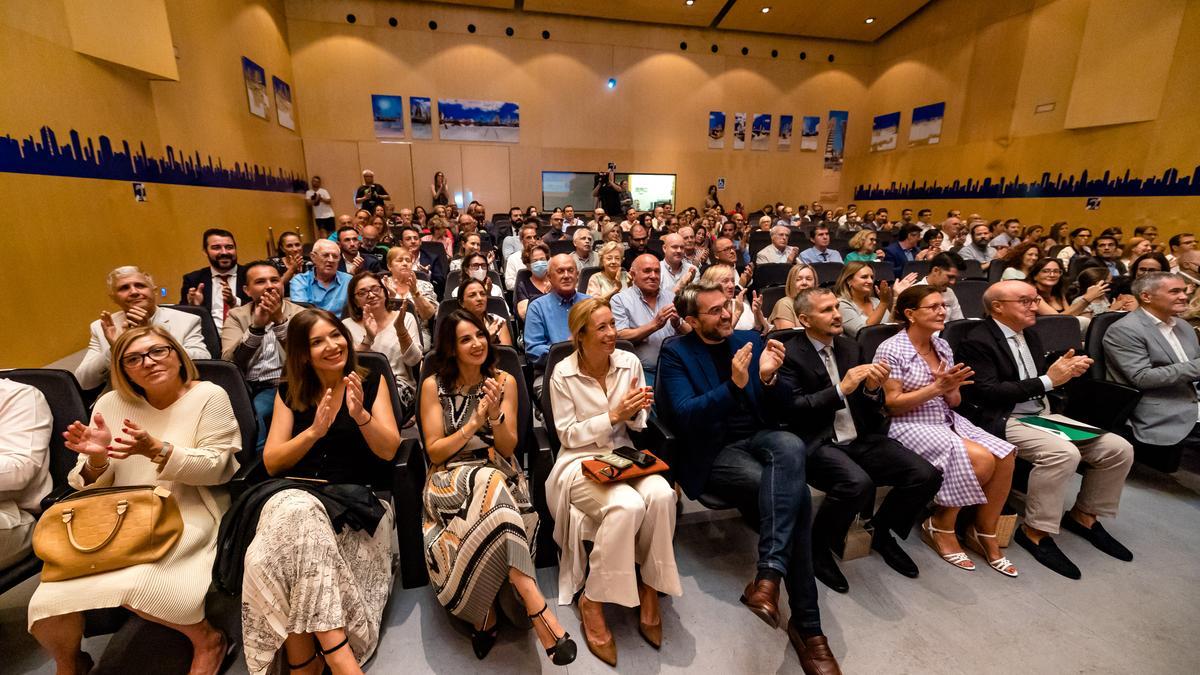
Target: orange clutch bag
column 601, row 472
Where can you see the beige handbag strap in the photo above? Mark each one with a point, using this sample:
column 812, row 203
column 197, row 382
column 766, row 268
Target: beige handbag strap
column 68, row 514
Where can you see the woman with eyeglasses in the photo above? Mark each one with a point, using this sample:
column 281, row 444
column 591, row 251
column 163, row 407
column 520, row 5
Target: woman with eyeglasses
column 160, row 425
column 478, row 267
column 391, row 331
column 403, row 284
column 863, row 247
column 610, row 278
column 1046, row 275
column 921, row 394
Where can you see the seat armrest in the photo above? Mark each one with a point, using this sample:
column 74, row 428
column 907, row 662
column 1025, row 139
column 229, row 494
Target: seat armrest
column 408, row 482
column 1100, row 403
column 249, row 474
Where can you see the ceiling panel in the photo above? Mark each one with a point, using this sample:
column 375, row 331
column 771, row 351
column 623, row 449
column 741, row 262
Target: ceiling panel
column 843, row 20
column 673, row 12
column 494, row 4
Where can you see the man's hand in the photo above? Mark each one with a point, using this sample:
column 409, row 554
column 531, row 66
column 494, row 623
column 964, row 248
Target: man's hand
column 741, row 366
column 853, row 378
column 792, row 252
column 665, row 313
column 227, row 295
column 687, row 277
column 1067, row 367
column 266, row 309
column 771, row 360
column 195, row 295
column 136, row 316
column 109, row 327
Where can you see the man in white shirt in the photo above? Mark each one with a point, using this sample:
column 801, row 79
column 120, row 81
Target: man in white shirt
column 631, row 217
column 513, row 264
column 597, row 220
column 569, row 219
column 778, row 251
column 25, row 423
column 951, row 233
column 923, row 218
column 675, row 271
column 322, row 211
column 136, row 294
column 659, row 221
column 583, row 256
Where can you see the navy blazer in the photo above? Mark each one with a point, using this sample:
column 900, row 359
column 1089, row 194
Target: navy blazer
column 204, row 276
column 895, row 255
column 998, row 386
column 695, row 405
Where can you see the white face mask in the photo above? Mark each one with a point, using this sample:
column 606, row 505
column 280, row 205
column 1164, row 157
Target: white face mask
column 477, row 275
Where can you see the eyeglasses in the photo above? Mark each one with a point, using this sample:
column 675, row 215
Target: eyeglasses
column 155, row 354
column 1025, row 302
column 367, row 292
column 1051, row 272
column 717, row 311
column 939, row 306
column 477, row 266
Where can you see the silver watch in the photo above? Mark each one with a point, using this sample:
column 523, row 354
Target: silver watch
column 162, row 454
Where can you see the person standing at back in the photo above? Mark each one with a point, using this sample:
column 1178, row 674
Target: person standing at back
column 322, row 211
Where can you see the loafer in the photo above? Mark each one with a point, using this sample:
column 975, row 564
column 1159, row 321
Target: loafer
column 815, row 656
column 826, row 570
column 762, row 597
column 1098, row 536
column 1048, row 553
column 895, row 557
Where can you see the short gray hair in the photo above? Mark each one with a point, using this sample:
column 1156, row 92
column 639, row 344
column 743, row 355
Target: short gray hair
column 1150, row 281
column 687, row 301
column 805, row 299
column 126, row 271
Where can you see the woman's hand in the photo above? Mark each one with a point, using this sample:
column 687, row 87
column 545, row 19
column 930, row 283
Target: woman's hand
column 1096, row 291
column 370, row 326
column 885, row 294
column 92, row 441
column 326, row 413
column 1123, row 303
column 489, row 401
column 354, row 399
column 904, row 284
column 134, row 441
column 950, row 379
column 637, row 399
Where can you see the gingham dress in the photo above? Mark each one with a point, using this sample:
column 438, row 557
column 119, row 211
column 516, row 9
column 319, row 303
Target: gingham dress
column 933, row 430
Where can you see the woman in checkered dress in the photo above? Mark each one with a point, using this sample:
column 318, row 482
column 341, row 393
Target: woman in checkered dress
column 921, row 393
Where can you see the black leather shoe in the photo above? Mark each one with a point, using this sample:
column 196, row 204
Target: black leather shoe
column 894, row 556
column 826, row 570
column 1098, row 536
column 1047, row 553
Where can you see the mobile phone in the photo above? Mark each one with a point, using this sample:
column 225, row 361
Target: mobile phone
column 394, row 304
column 634, row 455
column 615, row 461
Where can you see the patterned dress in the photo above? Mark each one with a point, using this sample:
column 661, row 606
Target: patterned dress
column 933, row 430
column 478, row 519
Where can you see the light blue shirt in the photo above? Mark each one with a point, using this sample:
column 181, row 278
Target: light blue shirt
column 306, row 288
column 812, row 255
column 546, row 323
column 629, row 310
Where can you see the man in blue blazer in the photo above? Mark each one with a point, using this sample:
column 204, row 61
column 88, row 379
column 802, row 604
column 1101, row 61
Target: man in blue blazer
column 709, row 393
column 903, row 248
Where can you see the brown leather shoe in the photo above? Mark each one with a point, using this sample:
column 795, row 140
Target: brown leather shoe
column 762, row 597
column 605, row 651
column 814, row 653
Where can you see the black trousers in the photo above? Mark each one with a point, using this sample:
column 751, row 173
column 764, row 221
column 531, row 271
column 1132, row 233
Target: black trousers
column 848, row 475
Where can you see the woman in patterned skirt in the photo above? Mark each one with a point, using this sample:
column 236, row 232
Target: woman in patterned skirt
column 921, row 393
column 479, row 523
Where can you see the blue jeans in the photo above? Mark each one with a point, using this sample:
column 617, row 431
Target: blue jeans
column 764, row 475
column 264, row 405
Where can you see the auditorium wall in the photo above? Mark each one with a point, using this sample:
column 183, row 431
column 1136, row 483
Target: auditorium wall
column 62, row 235
column 995, row 63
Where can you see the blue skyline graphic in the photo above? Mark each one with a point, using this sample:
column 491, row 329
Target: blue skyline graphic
column 81, row 158
column 1169, row 184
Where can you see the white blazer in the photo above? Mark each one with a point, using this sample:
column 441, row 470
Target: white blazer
column 92, row 372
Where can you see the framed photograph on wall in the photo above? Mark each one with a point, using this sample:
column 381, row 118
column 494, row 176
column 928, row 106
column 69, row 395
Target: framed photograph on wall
column 884, row 131
column 256, row 88
column 464, row 120
column 810, row 130
column 926, row 126
column 760, row 132
column 420, row 115
column 739, row 130
column 785, row 132
column 716, row 130
column 283, row 103
column 388, row 113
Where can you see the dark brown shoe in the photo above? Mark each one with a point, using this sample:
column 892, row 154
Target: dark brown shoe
column 762, row 597
column 814, row 653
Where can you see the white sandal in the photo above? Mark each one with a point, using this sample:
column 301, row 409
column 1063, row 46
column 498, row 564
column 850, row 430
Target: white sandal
column 1002, row 564
column 958, row 559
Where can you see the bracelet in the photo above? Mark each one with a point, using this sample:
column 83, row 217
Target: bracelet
column 98, row 468
column 370, row 417
column 463, row 431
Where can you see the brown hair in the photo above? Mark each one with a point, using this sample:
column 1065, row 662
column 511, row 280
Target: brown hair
column 353, row 310
column 120, row 379
column 303, row 385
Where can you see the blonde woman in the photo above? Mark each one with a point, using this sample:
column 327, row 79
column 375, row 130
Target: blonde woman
column 611, row 278
column 863, row 245
column 800, row 277
column 861, row 305
column 403, row 284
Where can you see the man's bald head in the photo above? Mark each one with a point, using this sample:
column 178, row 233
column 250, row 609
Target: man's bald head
column 644, row 273
column 563, row 274
column 1012, row 303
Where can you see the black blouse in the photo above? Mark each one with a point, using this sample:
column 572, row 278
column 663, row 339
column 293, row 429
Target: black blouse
column 342, row 454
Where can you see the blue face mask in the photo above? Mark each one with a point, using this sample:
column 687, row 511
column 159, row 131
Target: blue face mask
column 539, row 267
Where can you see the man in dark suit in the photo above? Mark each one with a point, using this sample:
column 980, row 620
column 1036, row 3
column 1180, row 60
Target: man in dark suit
column 1108, row 251
column 353, row 258
column 819, row 386
column 223, row 273
column 1011, row 382
column 903, row 248
column 709, row 393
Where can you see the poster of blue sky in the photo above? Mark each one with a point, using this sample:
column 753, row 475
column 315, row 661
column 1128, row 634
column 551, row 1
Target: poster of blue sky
column 283, row 103
column 884, row 132
column 716, row 130
column 463, row 120
column 388, row 112
column 926, row 126
column 760, row 132
column 739, row 130
column 810, row 129
column 835, row 142
column 256, row 88
column 785, row 131
column 420, row 116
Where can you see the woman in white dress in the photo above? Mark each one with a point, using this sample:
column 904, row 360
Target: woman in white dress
column 161, row 426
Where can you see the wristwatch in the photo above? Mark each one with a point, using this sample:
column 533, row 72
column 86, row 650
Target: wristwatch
column 164, row 453
column 498, row 420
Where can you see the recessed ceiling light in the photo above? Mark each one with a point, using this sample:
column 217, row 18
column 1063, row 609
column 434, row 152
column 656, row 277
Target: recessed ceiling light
column 870, row 19
column 689, row 3
column 766, row 9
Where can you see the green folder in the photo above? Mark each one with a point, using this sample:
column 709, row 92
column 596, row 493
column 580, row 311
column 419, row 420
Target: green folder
column 1067, row 432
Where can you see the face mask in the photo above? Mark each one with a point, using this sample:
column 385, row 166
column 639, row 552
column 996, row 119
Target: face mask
column 477, row 275
column 539, row 267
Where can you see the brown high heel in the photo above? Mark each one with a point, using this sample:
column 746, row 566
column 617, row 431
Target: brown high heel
column 605, row 651
column 651, row 633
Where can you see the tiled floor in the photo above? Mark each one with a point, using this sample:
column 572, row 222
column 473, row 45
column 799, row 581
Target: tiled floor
column 1140, row 617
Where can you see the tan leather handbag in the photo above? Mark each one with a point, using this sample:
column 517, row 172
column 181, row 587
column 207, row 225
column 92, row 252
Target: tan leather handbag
column 103, row 529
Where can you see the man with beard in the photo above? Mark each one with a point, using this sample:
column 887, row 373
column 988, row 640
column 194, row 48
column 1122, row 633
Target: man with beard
column 136, row 294
column 353, row 258
column 222, row 274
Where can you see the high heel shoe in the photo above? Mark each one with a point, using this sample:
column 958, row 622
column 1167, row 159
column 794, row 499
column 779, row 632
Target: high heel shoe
column 483, row 639
column 958, row 558
column 563, row 651
column 605, row 651
column 1002, row 564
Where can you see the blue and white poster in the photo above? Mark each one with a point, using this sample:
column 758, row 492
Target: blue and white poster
column 926, row 126
column 283, row 103
column 760, row 132
column 420, row 115
column 835, row 142
column 785, row 132
column 463, row 120
column 810, row 130
column 716, row 130
column 256, row 88
column 739, row 130
column 884, row 132
column 388, row 112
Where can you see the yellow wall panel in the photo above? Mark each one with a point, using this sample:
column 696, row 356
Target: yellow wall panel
column 94, row 25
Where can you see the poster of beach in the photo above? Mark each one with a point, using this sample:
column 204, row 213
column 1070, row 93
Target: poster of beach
column 283, row 103
column 926, row 126
column 810, row 130
column 884, row 132
column 716, row 130
column 760, row 132
column 420, row 115
column 388, row 112
column 463, row 120
column 256, row 88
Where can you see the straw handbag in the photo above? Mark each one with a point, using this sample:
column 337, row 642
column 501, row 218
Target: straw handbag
column 103, row 529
